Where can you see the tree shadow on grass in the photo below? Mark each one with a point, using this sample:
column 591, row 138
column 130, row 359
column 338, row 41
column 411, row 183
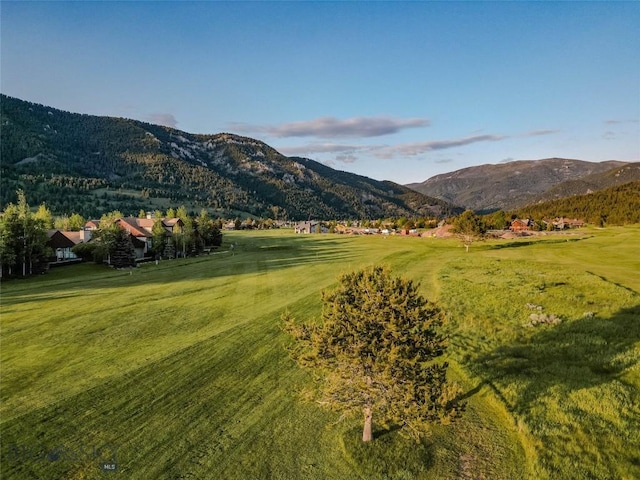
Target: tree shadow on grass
column 536, row 241
column 574, row 355
column 385, row 431
column 251, row 254
column 388, row 456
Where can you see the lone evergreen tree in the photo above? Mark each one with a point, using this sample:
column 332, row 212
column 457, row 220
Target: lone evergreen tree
column 374, row 353
column 123, row 253
column 469, row 227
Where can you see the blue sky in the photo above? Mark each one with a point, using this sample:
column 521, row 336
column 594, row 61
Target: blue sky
column 390, row 90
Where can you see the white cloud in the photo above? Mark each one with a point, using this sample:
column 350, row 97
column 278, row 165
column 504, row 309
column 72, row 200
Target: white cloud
column 616, row 122
column 536, row 133
column 331, row 127
column 346, row 152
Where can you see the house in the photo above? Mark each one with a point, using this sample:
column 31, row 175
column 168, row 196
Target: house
column 172, row 225
column 144, row 236
column 521, row 225
column 310, row 227
column 562, row 223
column 62, row 243
column 141, row 230
column 92, row 225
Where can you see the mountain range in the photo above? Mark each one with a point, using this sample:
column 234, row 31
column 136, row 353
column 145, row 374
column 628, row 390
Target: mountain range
column 511, row 185
column 90, row 164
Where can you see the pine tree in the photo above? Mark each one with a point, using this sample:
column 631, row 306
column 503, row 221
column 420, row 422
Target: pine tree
column 374, row 353
column 123, row 253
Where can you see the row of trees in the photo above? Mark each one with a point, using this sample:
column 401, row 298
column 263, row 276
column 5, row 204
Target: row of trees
column 24, row 246
column 195, row 234
column 23, row 239
column 113, row 244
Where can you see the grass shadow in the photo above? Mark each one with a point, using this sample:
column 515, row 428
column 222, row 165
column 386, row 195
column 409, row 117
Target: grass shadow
column 573, row 389
column 379, row 458
column 253, row 254
column 576, row 355
column 536, row 241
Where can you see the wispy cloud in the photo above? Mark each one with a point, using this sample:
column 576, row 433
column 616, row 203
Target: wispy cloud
column 507, row 160
column 536, row 133
column 312, row 148
column 417, row 148
column 346, row 153
column 166, row 119
column 444, row 160
column 618, row 121
column 331, row 127
column 346, row 158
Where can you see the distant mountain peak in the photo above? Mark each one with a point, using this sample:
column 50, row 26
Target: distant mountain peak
column 512, row 184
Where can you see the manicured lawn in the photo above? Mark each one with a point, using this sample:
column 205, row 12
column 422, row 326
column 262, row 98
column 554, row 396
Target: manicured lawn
column 181, row 369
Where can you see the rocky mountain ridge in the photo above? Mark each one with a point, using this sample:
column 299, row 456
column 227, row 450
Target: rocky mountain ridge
column 511, row 185
column 89, row 164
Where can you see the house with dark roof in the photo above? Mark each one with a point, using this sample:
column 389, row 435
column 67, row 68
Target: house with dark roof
column 62, row 243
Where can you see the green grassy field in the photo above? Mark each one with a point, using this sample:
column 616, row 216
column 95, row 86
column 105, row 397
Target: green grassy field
column 180, row 367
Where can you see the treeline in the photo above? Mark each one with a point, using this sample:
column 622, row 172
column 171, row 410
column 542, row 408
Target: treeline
column 618, row 205
column 24, row 239
column 111, row 244
column 67, row 160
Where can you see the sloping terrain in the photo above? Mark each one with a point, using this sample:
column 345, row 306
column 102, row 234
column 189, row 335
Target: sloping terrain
column 182, row 369
column 616, row 205
column 90, row 164
column 510, row 185
column 618, row 175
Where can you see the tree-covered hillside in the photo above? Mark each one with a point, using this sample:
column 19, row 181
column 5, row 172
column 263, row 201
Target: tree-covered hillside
column 90, row 165
column 617, row 205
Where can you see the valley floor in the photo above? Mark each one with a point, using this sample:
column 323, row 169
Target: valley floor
column 179, row 369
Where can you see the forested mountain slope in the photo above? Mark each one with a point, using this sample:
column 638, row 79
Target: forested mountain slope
column 90, row 164
column 514, row 184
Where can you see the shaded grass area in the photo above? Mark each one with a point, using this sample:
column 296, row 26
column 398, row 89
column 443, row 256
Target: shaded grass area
column 572, row 388
column 181, row 369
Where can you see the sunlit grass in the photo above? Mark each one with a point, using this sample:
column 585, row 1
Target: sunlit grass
column 181, row 365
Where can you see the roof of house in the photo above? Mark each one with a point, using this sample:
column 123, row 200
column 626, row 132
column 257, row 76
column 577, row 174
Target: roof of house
column 170, row 222
column 62, row 239
column 131, row 225
column 146, row 223
column 139, row 227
